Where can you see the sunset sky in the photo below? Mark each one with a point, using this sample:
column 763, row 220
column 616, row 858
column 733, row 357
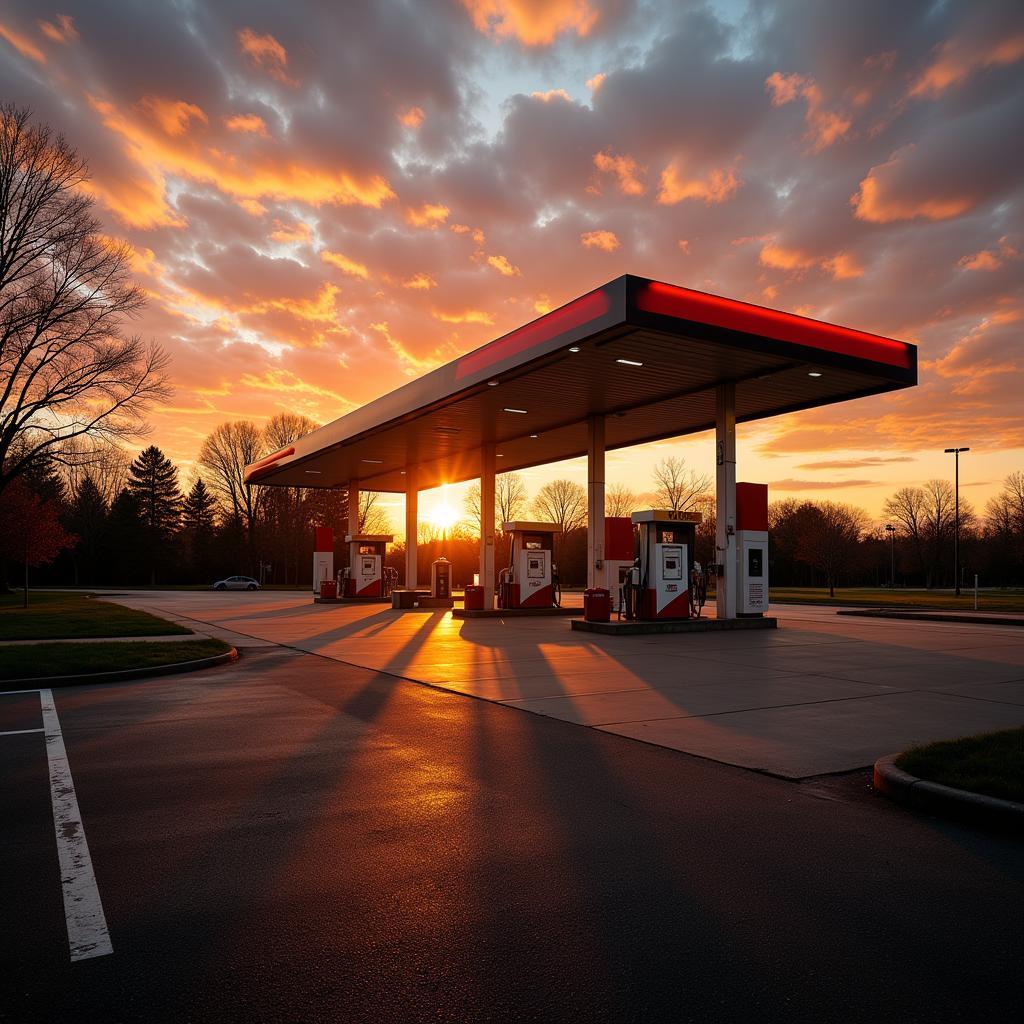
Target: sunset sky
column 326, row 200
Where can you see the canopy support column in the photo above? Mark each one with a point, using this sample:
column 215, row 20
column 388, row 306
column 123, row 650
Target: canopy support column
column 353, row 507
column 595, row 502
column 487, row 472
column 412, row 507
column 725, row 499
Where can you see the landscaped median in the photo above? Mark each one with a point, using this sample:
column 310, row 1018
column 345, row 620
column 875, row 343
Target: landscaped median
column 979, row 778
column 82, row 640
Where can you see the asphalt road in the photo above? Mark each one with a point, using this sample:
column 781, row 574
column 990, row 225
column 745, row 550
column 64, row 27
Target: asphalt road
column 293, row 839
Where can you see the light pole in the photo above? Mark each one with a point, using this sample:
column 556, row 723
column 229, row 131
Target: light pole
column 956, row 519
column 891, row 530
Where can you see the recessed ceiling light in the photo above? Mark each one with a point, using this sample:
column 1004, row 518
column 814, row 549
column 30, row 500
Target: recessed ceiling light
column 629, row 362
column 535, row 435
column 813, row 373
column 498, row 455
column 521, row 412
column 492, row 383
column 574, row 348
column 315, row 472
column 402, row 471
column 375, row 462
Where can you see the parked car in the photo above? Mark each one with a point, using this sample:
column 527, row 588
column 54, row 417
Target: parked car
column 236, row 583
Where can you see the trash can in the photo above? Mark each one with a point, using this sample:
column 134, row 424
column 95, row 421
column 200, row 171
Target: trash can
column 474, row 598
column 329, row 589
column 403, row 598
column 597, row 605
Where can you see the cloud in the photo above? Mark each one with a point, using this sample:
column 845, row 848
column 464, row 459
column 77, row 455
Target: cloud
column 790, row 484
column 267, row 53
column 411, row 117
column 465, row 316
column 345, row 265
column 419, row 282
column 503, row 267
column 877, row 460
column 824, row 127
column 22, row 44
column 251, row 124
column 61, row 30
column 299, row 231
column 173, row 116
column 429, row 215
column 625, row 169
column 531, row 23
column 957, row 59
column 991, row 259
column 716, row 187
column 606, row 241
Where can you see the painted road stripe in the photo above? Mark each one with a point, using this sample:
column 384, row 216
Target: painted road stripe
column 83, row 911
column 18, row 732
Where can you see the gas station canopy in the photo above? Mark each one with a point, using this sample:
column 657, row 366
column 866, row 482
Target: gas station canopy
column 645, row 355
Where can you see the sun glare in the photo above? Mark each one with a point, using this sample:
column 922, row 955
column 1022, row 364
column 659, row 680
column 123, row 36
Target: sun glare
column 444, row 515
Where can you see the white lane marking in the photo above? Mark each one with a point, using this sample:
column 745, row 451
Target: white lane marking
column 83, row 911
column 18, row 732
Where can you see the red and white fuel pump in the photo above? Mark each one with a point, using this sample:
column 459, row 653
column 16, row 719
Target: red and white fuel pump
column 752, row 548
column 365, row 576
column 659, row 583
column 323, row 557
column 531, row 578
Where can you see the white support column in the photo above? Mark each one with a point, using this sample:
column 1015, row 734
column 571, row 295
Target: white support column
column 353, row 507
column 487, row 470
column 725, row 498
column 412, row 504
column 595, row 502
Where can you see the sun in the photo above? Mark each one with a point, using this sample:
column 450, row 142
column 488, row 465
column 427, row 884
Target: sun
column 444, row 515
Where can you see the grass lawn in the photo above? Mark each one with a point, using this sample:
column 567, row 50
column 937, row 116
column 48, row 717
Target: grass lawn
column 33, row 661
column 53, row 616
column 869, row 597
column 991, row 763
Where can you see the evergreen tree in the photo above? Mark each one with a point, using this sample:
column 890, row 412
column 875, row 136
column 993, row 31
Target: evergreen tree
column 125, row 541
column 153, row 481
column 86, row 519
column 198, row 519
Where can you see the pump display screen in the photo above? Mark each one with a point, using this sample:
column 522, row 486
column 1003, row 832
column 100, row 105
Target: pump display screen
column 533, row 544
column 535, row 568
column 369, row 567
column 754, row 562
column 672, row 563
column 367, row 549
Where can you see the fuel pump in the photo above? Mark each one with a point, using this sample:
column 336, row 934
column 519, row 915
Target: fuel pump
column 323, row 556
column 531, row 578
column 441, row 578
column 365, row 575
column 660, row 582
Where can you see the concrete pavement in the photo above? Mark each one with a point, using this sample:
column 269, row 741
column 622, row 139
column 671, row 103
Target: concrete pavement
column 822, row 694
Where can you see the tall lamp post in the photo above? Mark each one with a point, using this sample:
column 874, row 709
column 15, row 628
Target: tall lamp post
column 955, row 452
column 891, row 530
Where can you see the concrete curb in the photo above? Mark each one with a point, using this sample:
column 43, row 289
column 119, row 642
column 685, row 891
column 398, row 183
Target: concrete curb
column 1004, row 815
column 124, row 674
column 885, row 613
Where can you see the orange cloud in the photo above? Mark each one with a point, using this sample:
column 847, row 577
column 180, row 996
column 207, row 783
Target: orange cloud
column 717, row 187
column 429, row 215
column 22, row 44
column 530, row 22
column 606, row 241
column 412, row 118
column 958, row 59
column 593, row 84
column 552, row 94
column 266, row 53
column 466, row 316
column 63, row 32
column 625, row 169
column 252, row 207
column 411, row 364
column 502, row 266
column 843, row 267
column 345, row 265
column 286, row 381
column 785, row 259
column 987, row 259
column 872, row 203
column 420, row 282
column 173, row 116
column 250, row 179
column 251, row 124
column 297, row 232
column 824, row 127
column 464, row 229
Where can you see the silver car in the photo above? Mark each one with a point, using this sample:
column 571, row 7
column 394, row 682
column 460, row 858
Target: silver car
column 236, row 583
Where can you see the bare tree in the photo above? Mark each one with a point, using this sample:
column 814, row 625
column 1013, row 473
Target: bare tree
column 510, row 500
column 678, row 487
column 619, row 500
column 107, row 471
column 225, row 454
column 372, row 517
column 830, row 538
column 70, row 380
column 563, row 502
column 907, row 507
